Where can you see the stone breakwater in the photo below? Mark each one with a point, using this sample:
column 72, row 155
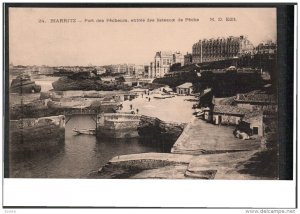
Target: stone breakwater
column 178, row 166
column 126, row 166
column 34, row 134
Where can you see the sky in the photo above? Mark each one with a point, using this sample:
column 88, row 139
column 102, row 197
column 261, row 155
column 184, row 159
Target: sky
column 101, row 43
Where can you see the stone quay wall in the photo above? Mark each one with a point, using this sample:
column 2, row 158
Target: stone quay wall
column 34, row 134
column 129, row 125
column 117, row 125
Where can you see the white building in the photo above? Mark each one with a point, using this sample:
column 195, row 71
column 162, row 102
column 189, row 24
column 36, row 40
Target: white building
column 139, row 70
column 162, row 63
column 184, row 89
column 178, row 58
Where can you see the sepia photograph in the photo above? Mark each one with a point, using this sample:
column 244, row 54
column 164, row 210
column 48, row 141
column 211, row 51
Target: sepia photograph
column 127, row 106
column 142, row 93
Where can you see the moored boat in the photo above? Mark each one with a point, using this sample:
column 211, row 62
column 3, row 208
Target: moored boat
column 163, row 96
column 84, row 131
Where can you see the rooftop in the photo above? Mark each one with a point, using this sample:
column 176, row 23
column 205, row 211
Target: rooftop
column 228, row 109
column 164, row 54
column 253, row 114
column 206, row 90
column 186, row 85
column 256, row 96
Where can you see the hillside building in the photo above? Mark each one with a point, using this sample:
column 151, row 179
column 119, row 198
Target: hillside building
column 209, row 50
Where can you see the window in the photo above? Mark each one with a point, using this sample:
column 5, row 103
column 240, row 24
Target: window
column 255, row 130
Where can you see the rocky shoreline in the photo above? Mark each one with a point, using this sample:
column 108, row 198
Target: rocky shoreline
column 86, row 83
column 182, row 166
column 47, row 105
column 207, row 163
column 154, row 128
column 192, row 156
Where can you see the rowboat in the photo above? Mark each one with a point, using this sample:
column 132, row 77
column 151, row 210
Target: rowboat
column 84, row 131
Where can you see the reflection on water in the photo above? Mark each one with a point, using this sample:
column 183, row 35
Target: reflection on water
column 79, row 156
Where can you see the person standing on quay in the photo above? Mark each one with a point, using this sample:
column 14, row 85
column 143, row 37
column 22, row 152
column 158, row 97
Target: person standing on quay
column 137, row 111
column 130, row 106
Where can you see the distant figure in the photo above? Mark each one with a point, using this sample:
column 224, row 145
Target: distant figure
column 149, row 99
column 142, row 95
column 145, row 92
column 130, row 106
column 137, row 111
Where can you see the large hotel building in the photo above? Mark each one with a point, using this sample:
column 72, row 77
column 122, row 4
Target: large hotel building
column 208, row 50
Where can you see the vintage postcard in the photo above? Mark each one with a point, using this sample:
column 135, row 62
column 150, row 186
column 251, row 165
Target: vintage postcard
column 142, row 93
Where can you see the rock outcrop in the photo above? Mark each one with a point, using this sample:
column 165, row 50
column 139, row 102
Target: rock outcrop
column 79, row 82
column 154, row 128
column 23, row 84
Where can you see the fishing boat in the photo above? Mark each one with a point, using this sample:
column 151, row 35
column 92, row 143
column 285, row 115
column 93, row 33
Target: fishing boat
column 163, row 96
column 84, row 131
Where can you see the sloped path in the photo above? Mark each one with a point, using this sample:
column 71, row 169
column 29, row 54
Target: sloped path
column 200, row 137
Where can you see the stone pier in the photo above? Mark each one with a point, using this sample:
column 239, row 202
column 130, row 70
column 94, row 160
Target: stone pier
column 127, row 125
column 118, row 125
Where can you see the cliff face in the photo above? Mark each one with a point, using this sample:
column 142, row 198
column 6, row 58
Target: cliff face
column 154, row 128
column 174, row 81
column 69, row 83
column 222, row 84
